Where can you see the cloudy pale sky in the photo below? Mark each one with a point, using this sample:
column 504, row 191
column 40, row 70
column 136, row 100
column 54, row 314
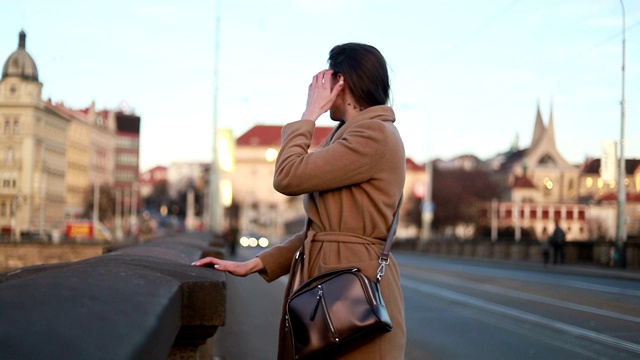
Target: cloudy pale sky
column 467, row 75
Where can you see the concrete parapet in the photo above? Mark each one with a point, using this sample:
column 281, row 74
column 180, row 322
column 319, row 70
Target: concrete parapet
column 137, row 302
column 18, row 255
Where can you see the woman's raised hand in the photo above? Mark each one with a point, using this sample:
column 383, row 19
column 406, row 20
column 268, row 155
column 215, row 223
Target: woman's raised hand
column 321, row 95
column 232, row 267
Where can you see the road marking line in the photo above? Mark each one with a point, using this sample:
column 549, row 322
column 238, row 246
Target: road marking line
column 573, row 330
column 531, row 297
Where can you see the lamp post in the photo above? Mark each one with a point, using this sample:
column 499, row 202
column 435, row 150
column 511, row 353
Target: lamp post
column 621, row 230
column 214, row 177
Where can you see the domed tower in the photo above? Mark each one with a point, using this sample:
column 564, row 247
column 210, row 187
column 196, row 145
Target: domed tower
column 20, row 76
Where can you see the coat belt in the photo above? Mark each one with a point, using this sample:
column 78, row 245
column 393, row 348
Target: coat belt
column 334, row 236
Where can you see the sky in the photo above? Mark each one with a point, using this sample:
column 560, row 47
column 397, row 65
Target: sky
column 467, row 76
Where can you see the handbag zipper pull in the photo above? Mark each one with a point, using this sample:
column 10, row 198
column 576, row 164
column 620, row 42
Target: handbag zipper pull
column 318, row 299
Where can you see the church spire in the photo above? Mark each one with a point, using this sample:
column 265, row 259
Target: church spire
column 551, row 133
column 539, row 129
column 22, row 40
column 515, row 146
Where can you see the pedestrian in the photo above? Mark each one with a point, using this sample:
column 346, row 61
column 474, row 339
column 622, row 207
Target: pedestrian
column 558, row 241
column 544, row 246
column 351, row 189
column 231, row 236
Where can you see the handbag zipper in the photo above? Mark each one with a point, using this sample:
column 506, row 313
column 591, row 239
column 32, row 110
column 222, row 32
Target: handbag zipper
column 318, row 299
column 332, row 329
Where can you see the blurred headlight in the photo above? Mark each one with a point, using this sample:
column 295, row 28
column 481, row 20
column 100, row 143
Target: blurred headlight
column 244, row 241
column 264, row 242
column 253, row 242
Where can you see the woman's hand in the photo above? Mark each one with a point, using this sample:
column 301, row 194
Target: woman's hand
column 321, row 95
column 232, row 267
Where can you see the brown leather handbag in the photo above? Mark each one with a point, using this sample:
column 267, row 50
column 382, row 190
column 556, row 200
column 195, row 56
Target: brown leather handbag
column 336, row 307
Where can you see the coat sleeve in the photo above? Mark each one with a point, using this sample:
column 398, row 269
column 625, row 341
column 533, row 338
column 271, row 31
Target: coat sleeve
column 277, row 260
column 352, row 159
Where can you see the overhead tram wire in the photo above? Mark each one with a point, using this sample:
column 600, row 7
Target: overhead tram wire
column 471, row 34
column 574, row 58
column 570, row 59
column 615, row 36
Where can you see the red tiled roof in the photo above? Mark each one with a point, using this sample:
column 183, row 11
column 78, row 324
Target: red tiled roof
column 523, row 182
column 592, row 166
column 411, row 165
column 269, row 135
column 62, row 109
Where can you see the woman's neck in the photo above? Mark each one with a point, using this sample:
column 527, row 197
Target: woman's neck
column 351, row 110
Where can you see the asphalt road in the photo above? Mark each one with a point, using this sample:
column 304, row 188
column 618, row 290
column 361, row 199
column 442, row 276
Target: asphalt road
column 457, row 309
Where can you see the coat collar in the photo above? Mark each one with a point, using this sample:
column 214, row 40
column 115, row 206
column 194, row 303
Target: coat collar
column 378, row 112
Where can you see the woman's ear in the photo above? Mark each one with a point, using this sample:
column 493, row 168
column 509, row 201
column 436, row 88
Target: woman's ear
column 337, row 80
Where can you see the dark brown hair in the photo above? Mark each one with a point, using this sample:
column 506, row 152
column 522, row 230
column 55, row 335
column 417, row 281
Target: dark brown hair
column 365, row 71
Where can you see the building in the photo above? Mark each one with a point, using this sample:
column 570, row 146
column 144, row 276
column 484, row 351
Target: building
column 127, row 172
column 127, row 150
column 151, row 178
column 53, row 156
column 538, row 187
column 102, row 145
column 184, row 175
column 33, row 150
column 90, row 159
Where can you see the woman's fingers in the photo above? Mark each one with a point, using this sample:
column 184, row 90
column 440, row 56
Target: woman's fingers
column 232, row 267
column 321, row 95
column 208, row 261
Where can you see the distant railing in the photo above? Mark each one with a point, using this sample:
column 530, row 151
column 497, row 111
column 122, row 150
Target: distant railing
column 134, row 302
column 597, row 253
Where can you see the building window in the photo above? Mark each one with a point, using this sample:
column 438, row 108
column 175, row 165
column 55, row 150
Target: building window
column 127, row 159
column 125, row 176
column 10, row 156
column 7, row 127
column 547, row 160
column 3, row 209
column 127, row 143
column 16, row 127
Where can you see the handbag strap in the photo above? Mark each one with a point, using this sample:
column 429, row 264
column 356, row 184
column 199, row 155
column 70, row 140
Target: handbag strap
column 384, row 258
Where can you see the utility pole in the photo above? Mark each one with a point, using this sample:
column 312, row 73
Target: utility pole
column 427, row 208
column 118, row 230
column 214, row 176
column 133, row 215
column 43, row 195
column 96, row 204
column 621, row 226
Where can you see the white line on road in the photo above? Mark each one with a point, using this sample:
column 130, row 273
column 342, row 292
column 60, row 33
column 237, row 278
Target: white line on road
column 531, row 297
column 573, row 330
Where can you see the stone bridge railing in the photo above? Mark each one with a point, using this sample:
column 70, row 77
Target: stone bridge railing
column 599, row 253
column 136, row 302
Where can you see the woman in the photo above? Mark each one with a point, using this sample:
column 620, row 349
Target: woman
column 351, row 185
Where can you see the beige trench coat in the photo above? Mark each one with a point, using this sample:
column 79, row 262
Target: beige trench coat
column 352, row 188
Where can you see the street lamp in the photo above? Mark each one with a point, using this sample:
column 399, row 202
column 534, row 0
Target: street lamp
column 214, row 176
column 621, row 230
